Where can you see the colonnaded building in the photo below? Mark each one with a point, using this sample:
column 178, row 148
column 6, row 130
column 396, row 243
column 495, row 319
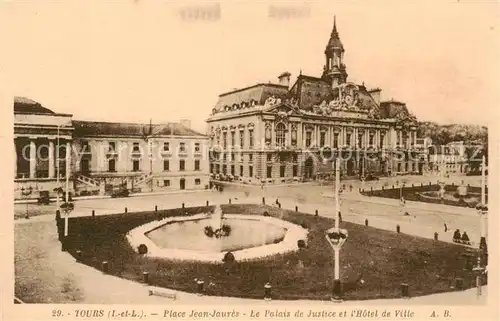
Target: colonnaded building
column 104, row 156
column 278, row 133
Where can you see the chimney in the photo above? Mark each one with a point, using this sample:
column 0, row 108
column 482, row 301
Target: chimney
column 186, row 123
column 284, row 79
column 375, row 93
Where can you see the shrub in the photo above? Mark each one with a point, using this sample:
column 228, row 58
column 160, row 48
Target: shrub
column 304, row 225
column 301, row 244
column 142, row 249
column 266, row 213
column 226, row 230
column 228, row 258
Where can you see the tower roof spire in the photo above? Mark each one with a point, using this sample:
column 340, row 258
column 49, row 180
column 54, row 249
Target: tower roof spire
column 334, row 42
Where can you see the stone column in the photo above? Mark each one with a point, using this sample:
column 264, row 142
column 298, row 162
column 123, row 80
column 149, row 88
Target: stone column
column 15, row 158
column 32, row 158
column 51, row 159
column 68, row 159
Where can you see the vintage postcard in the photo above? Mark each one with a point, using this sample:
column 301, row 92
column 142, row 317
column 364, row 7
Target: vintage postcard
column 250, row 160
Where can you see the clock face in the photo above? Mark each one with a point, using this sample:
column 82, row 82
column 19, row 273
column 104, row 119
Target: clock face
column 348, row 99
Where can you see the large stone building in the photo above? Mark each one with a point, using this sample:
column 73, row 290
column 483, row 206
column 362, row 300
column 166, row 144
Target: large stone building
column 103, row 156
column 278, row 133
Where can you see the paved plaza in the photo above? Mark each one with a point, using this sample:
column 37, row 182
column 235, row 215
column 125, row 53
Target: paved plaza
column 36, row 238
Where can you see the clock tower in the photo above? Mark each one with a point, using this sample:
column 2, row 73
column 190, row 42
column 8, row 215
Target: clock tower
column 334, row 70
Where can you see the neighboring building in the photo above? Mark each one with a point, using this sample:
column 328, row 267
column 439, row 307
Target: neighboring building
column 104, row 156
column 277, row 133
column 449, row 158
column 422, row 147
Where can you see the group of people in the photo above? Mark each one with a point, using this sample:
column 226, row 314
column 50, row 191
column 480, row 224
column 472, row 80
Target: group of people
column 463, row 238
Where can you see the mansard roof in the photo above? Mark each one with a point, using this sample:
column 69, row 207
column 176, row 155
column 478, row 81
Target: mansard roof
column 93, row 129
column 256, row 94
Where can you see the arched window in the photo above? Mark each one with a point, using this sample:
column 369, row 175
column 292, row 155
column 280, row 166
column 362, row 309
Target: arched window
column 280, row 135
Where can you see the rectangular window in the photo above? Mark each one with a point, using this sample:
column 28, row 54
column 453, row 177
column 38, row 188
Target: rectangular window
column 336, row 140
column 250, row 138
column 371, row 140
column 232, row 139
column 250, row 157
column 135, row 147
column 112, row 146
column 224, row 140
column 295, row 167
column 283, row 157
column 308, row 139
column 232, row 170
column 282, row 171
column 250, row 171
column 196, row 165
column 241, row 170
column 182, row 165
column 232, row 157
column 166, row 182
column 269, row 157
column 197, row 181
column 197, row 147
column 322, row 136
column 111, row 165
column 224, row 157
column 166, row 165
column 360, row 140
column 269, row 171
column 182, row 147
column 166, row 146
column 295, row 158
column 242, row 138
column 85, row 147
column 381, row 143
column 348, row 139
column 224, row 169
column 135, row 166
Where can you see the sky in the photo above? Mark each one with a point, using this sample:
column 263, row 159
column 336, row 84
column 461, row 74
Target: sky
column 132, row 61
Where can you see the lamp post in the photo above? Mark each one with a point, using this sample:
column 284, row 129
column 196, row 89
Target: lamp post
column 479, row 270
column 336, row 237
column 482, row 208
column 26, row 192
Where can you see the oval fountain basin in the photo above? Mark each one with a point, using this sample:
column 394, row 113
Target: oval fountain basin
column 190, row 235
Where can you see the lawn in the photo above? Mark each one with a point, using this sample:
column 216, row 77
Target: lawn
column 374, row 262
column 423, row 193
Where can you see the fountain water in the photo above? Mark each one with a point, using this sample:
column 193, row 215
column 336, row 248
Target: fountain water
column 216, row 220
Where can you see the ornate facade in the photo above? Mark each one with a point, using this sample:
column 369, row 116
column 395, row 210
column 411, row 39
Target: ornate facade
column 277, row 132
column 103, row 156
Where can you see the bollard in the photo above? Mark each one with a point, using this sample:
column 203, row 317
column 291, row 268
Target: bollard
column 78, row 256
column 371, row 188
column 412, row 185
column 337, row 290
column 366, row 222
column 229, row 201
column 267, row 291
column 27, row 216
column 436, row 236
column 468, row 185
column 296, row 208
column 156, row 208
column 393, row 186
column 383, row 188
column 398, row 229
column 207, row 203
column 316, row 213
column 421, row 184
column 405, row 290
column 430, row 184
column 145, row 277
column 360, row 189
column 182, row 205
column 126, row 210
column 200, row 284
column 263, row 201
column 459, row 283
column 105, row 267
column 93, row 213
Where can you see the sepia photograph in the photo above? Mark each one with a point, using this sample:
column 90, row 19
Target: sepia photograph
column 251, row 160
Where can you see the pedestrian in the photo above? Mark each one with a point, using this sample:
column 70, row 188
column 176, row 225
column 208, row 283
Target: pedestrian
column 445, row 228
column 456, row 236
column 465, row 238
column 350, row 187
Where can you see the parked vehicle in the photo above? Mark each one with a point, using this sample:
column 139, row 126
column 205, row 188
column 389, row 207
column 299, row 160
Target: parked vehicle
column 371, row 177
column 120, row 193
column 44, row 198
